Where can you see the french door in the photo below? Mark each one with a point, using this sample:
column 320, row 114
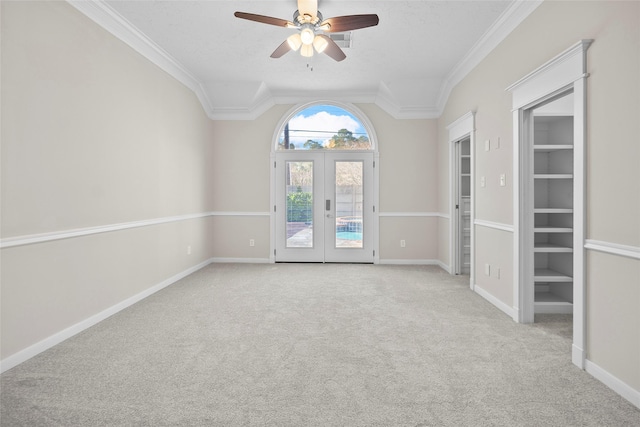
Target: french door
column 324, row 207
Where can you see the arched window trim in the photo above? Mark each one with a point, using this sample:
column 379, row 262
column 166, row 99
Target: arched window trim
column 348, row 107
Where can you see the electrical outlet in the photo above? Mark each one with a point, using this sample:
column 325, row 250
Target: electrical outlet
column 189, row 250
column 487, row 145
column 483, row 181
column 403, row 243
column 252, row 242
column 503, row 180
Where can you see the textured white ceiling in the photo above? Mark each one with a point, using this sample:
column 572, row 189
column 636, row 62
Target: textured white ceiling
column 402, row 64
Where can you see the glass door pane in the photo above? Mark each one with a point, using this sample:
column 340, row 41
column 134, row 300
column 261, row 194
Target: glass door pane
column 349, row 204
column 324, row 206
column 299, row 194
column 348, row 207
column 299, row 208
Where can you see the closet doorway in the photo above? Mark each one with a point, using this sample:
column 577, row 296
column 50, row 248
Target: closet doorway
column 549, row 192
column 462, row 208
column 461, row 193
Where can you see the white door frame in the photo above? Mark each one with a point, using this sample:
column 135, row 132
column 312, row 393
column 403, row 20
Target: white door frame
column 376, row 170
column 566, row 72
column 463, row 127
column 332, row 253
column 324, row 247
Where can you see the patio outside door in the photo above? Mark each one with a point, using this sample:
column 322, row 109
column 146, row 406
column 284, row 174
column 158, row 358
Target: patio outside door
column 324, row 207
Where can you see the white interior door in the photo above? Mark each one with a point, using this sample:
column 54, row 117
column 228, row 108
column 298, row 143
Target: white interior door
column 324, row 207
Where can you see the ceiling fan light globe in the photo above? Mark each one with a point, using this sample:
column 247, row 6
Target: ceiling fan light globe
column 306, row 50
column 307, row 36
column 294, row 41
column 320, row 44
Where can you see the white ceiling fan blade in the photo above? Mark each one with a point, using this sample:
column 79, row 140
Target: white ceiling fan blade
column 308, row 7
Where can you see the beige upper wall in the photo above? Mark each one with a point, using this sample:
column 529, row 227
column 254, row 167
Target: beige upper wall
column 408, row 164
column 613, row 108
column 92, row 133
column 240, row 163
column 239, row 160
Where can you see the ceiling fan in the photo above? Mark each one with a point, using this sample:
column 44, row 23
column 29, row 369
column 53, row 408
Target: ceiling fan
column 308, row 20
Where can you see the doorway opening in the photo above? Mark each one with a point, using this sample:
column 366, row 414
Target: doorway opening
column 324, row 186
column 462, row 201
column 549, row 192
column 461, row 196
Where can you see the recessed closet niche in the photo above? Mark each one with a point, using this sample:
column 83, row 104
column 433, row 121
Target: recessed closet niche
column 553, row 198
column 463, row 205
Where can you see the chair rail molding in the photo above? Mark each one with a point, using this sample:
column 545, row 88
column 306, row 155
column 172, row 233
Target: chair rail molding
column 9, row 242
column 613, row 248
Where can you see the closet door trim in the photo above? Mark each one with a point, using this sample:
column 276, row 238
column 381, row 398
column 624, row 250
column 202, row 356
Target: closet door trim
column 566, row 72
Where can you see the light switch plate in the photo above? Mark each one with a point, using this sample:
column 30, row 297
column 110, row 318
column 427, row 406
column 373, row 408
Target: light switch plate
column 487, row 145
column 503, row 180
column 483, row 181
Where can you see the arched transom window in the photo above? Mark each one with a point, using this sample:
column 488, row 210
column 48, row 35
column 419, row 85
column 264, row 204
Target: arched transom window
column 324, row 127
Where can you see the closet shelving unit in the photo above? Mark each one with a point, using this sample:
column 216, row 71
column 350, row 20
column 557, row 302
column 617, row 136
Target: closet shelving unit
column 553, row 214
column 464, row 191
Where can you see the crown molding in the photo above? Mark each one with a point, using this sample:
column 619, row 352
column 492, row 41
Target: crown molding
column 513, row 16
column 103, row 15
column 384, row 101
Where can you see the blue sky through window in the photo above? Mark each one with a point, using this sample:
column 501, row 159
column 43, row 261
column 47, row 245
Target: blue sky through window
column 321, row 122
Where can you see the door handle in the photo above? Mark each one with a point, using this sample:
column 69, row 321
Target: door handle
column 327, row 205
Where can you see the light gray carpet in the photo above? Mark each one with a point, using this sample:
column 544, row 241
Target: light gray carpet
column 313, row 345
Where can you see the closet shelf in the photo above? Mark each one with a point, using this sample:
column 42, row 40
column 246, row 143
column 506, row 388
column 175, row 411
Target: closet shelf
column 550, row 247
column 548, row 297
column 546, row 302
column 550, row 229
column 547, row 148
column 553, row 210
column 553, row 176
column 546, row 275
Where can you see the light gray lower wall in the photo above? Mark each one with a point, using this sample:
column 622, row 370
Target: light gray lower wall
column 420, row 235
column 613, row 318
column 230, row 236
column 49, row 287
column 494, row 248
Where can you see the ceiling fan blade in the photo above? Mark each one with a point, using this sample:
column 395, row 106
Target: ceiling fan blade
column 308, row 7
column 265, row 19
column 281, row 50
column 340, row 24
column 332, row 49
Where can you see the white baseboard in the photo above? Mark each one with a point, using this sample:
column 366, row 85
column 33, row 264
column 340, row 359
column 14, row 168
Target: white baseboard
column 578, row 356
column 240, row 260
column 620, row 387
column 415, row 262
column 493, row 300
column 57, row 338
